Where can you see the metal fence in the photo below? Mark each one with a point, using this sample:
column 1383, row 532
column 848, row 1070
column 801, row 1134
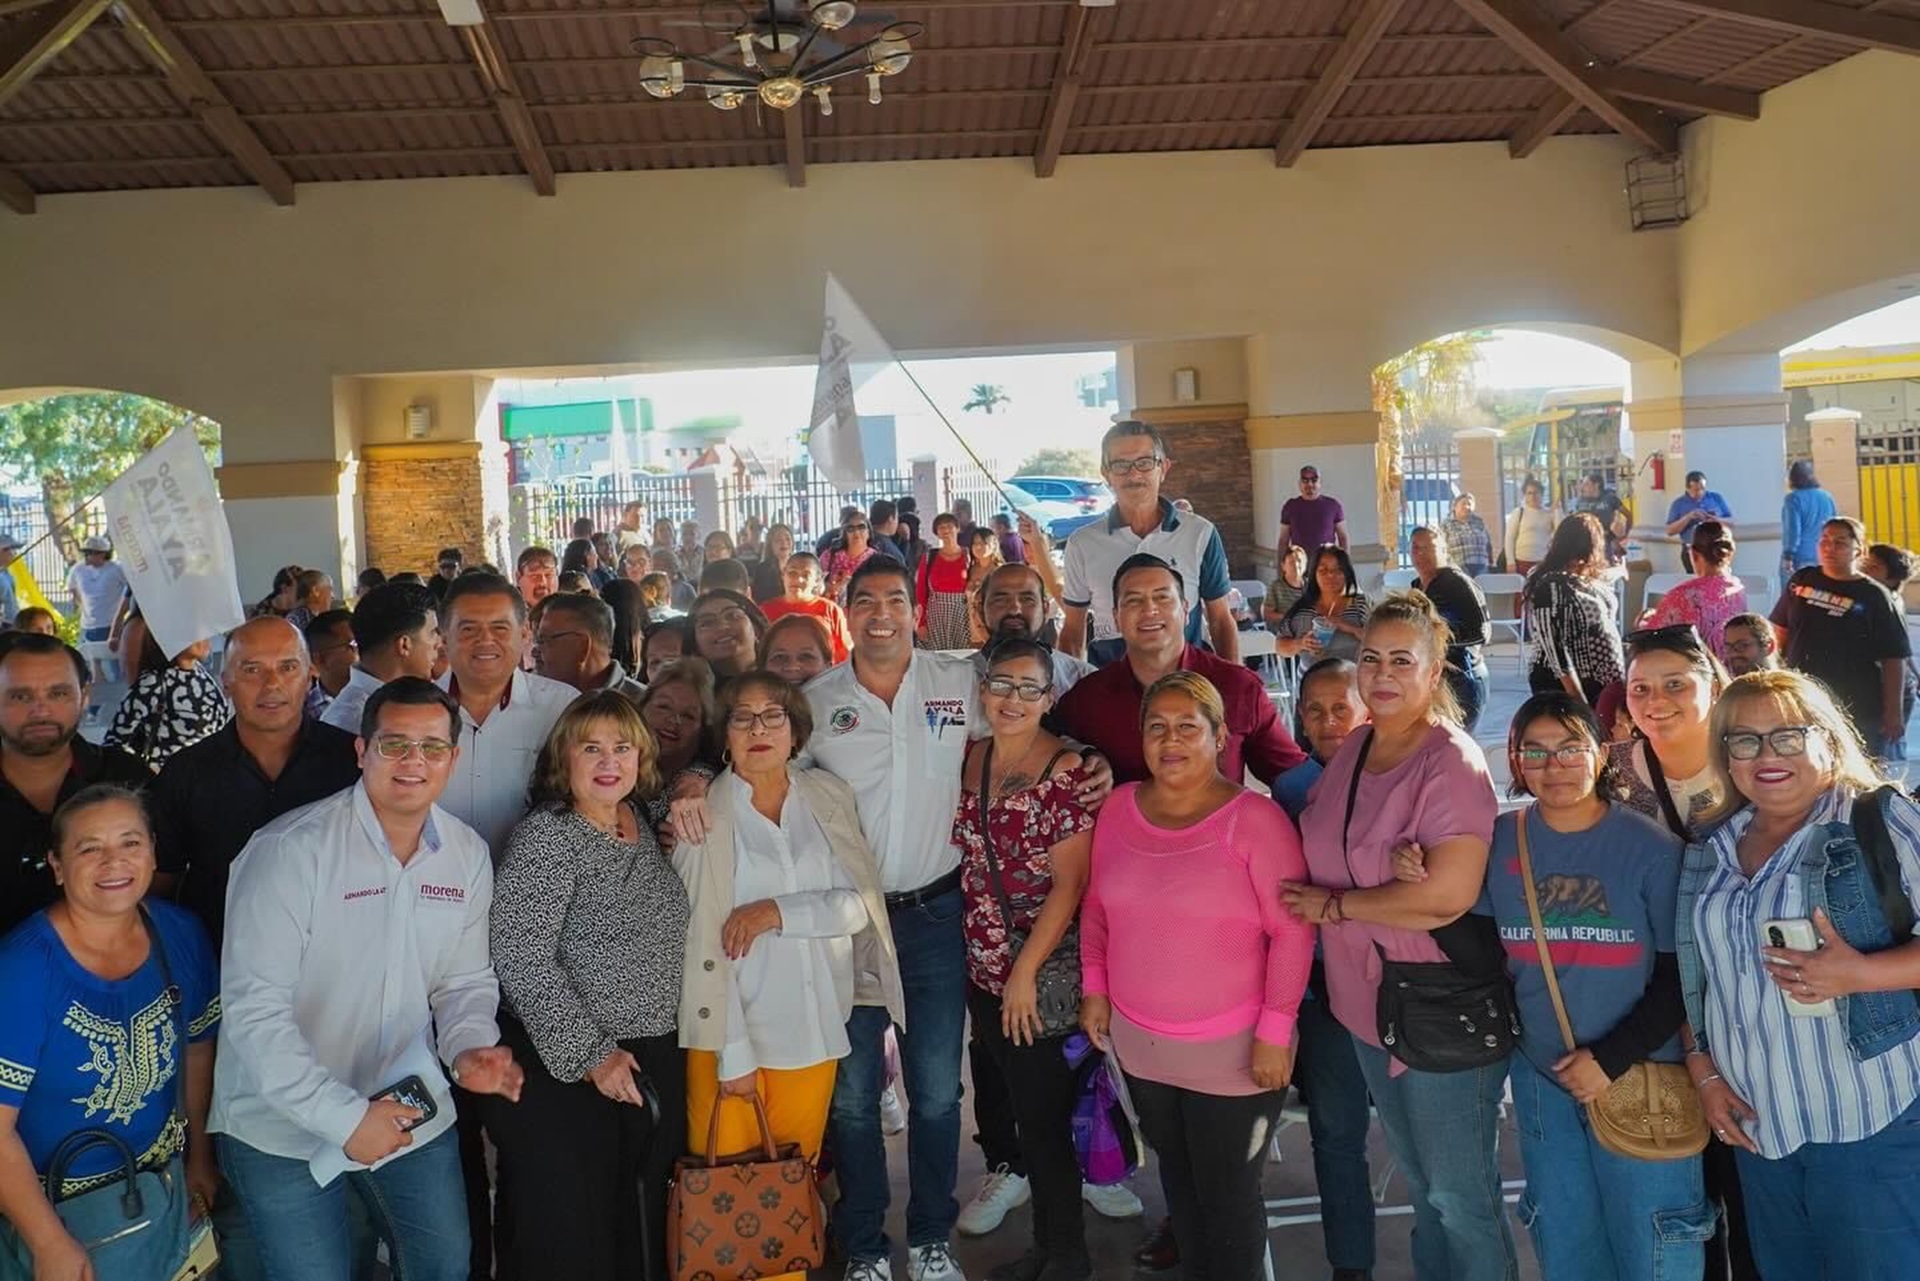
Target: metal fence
column 1890, row 483
column 26, row 518
column 544, row 513
column 1560, row 471
column 802, row 499
column 1429, row 482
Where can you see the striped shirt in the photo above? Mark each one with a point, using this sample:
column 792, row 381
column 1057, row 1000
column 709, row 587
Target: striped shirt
column 1802, row 1081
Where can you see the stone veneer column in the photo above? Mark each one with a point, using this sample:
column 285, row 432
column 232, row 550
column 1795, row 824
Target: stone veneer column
column 1212, row 469
column 421, row 497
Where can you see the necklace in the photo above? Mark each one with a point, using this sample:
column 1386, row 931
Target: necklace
column 606, row 829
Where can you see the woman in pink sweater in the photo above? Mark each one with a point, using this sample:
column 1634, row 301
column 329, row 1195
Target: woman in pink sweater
column 1193, row 970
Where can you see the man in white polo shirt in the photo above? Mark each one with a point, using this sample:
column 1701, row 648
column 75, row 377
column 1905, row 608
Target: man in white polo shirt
column 1134, row 457
column 356, row 961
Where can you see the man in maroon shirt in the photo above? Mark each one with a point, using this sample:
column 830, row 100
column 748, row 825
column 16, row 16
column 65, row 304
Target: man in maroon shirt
column 1103, row 710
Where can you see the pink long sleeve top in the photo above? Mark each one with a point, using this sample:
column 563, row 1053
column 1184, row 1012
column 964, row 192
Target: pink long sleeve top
column 1183, row 931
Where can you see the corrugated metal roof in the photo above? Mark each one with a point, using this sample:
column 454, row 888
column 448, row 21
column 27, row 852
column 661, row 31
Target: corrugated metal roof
column 372, row 89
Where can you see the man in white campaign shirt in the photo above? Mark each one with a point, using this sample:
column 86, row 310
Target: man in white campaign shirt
column 505, row 713
column 356, row 959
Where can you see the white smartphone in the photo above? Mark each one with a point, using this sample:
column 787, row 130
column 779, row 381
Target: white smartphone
column 1796, row 933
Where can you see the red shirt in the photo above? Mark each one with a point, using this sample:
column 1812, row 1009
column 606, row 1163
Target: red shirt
column 821, row 608
column 1103, row 711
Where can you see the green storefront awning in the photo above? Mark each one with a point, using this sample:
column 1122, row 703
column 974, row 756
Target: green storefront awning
column 588, row 418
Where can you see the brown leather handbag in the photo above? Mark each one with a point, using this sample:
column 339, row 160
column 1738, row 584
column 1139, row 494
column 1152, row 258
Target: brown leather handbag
column 1652, row 1112
column 736, row 1218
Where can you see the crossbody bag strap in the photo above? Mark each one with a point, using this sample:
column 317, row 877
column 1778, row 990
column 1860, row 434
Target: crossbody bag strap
column 1540, row 933
column 1667, row 807
column 1353, row 794
column 986, row 839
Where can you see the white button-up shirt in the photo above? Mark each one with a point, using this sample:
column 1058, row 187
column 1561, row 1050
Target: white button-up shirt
column 488, row 788
column 345, row 709
column 348, row 971
column 792, row 993
column 902, row 762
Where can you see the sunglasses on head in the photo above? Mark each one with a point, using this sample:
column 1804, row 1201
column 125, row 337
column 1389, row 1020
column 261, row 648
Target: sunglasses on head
column 1673, row 635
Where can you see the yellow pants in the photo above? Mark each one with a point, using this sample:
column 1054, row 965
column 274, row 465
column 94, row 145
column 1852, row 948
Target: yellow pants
column 796, row 1100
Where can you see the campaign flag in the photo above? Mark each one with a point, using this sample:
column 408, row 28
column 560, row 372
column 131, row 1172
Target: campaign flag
column 851, row 353
column 171, row 538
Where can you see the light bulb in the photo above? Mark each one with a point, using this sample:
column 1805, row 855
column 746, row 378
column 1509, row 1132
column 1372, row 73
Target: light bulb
column 890, row 54
column 662, row 77
column 831, row 15
column 725, row 99
column 823, row 96
column 873, row 87
column 745, row 41
column 781, row 92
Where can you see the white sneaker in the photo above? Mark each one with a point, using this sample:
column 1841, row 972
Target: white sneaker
column 1112, row 1200
column 869, row 1270
column 999, row 1192
column 934, row 1263
column 893, row 1113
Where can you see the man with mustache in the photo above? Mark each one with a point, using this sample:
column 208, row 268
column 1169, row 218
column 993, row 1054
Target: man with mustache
column 43, row 761
column 1013, row 602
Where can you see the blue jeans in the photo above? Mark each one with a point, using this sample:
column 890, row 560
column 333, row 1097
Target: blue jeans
column 1595, row 1215
column 933, row 973
column 1328, row 1075
column 1468, row 681
column 1838, row 1211
column 1444, row 1129
column 301, row 1229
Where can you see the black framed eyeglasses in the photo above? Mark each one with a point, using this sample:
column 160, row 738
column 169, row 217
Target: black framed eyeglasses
column 1138, row 466
column 1007, row 687
column 1787, row 740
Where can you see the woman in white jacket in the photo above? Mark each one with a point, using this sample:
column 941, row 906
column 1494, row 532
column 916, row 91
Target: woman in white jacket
column 788, row 931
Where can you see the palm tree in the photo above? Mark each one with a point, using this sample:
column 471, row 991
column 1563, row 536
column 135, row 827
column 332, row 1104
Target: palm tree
column 986, row 397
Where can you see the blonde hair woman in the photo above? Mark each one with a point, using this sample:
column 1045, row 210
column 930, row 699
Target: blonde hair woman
column 1807, row 1058
column 589, row 928
column 789, row 930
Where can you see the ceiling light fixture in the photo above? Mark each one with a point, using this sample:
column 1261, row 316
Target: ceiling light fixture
column 779, row 54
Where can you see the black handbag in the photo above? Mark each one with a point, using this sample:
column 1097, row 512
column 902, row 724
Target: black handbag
column 1443, row 1016
column 1057, row 985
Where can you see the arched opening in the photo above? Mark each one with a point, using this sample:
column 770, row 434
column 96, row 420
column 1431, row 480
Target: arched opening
column 59, row 450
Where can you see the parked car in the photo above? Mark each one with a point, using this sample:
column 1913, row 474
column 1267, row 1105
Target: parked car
column 1063, row 503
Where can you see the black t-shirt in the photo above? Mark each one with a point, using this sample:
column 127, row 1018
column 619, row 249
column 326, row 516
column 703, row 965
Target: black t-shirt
column 1839, row 630
column 1605, row 507
column 26, row 834
column 211, row 798
column 1464, row 606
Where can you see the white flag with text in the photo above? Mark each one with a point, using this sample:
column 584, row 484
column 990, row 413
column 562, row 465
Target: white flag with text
column 171, row 538
column 851, row 353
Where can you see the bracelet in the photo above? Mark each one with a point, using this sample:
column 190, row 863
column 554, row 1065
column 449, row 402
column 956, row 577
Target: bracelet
column 1337, row 910
column 1708, row 1079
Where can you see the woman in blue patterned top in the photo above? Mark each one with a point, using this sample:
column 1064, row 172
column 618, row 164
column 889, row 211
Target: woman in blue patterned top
column 1807, row 1060
column 90, row 1041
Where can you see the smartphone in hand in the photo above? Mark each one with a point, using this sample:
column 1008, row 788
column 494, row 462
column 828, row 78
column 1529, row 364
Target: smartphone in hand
column 1797, row 933
column 413, row 1092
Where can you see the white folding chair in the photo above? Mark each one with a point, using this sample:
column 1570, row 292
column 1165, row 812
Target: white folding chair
column 1512, row 587
column 1659, row 585
column 1760, row 592
column 1398, row 580
column 1258, row 643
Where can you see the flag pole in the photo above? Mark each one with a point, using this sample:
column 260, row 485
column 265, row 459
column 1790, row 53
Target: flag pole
column 945, row 422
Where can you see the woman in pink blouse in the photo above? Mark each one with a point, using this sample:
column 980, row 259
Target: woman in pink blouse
column 1193, row 971
column 1711, row 596
column 1414, row 776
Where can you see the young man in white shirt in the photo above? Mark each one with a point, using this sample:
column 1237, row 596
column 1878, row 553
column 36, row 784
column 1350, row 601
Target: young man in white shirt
column 397, row 627
column 98, row 585
column 356, row 961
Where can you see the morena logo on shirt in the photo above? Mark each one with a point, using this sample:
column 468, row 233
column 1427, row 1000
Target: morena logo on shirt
column 443, row 894
column 844, row 720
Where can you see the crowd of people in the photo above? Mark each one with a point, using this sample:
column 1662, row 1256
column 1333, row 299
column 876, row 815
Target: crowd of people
column 450, row 925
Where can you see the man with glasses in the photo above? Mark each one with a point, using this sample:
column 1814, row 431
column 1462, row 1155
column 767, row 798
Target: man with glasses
column 573, row 644
column 1750, row 645
column 356, row 966
column 1845, row 630
column 332, row 650
column 1313, row 519
column 447, row 567
column 1134, row 457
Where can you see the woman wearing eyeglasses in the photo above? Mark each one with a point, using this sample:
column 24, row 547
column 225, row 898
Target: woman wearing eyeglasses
column 589, row 931
column 1025, row 839
column 1806, row 1057
column 727, row 631
column 789, row 931
column 1603, row 878
column 679, row 711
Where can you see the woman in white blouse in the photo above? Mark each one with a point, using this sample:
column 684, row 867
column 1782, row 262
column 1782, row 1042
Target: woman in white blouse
column 788, row 932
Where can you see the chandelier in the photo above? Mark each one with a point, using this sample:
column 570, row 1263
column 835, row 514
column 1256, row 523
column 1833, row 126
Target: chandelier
column 778, row 54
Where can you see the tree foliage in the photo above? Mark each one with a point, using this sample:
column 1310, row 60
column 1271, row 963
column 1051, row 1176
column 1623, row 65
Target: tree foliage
column 1431, row 384
column 1061, row 462
column 986, row 397
column 75, row 445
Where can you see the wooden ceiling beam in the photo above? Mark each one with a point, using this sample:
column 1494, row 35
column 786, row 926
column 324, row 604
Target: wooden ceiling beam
column 164, row 48
column 1529, row 33
column 30, row 44
column 1543, row 124
column 1356, row 47
column 1075, row 50
column 793, row 126
column 502, row 86
column 1671, row 91
column 15, row 194
column 1860, row 27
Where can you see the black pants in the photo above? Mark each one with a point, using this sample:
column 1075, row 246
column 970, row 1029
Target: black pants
column 583, row 1168
column 998, row 1135
column 1043, row 1090
column 468, row 1125
column 1212, row 1150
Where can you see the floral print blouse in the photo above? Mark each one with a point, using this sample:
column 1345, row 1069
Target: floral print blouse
column 1025, row 826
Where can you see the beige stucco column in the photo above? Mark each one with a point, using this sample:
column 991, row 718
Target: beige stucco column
column 1479, row 449
column 1726, row 416
column 1836, row 456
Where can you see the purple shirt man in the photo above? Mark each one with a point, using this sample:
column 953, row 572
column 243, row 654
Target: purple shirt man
column 1313, row 519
